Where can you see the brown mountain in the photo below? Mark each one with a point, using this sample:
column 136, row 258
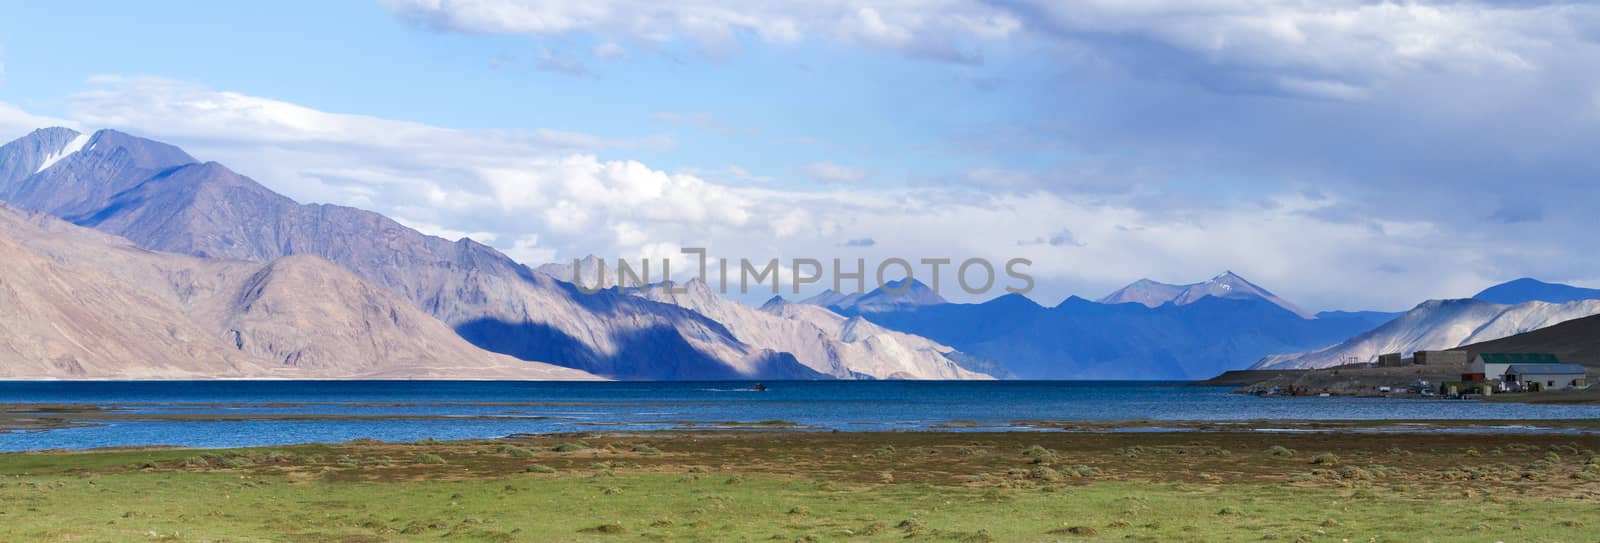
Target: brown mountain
column 79, row 304
column 162, row 199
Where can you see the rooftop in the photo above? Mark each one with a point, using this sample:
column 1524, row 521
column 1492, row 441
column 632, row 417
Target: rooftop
column 1545, row 369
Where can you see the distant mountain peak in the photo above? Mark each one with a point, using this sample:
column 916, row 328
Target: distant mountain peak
column 894, row 295
column 1146, row 292
column 774, row 303
column 1228, row 285
column 1528, row 289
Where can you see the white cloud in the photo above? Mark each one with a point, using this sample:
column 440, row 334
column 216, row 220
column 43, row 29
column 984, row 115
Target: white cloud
column 539, row 200
column 919, row 28
column 447, row 233
column 828, row 172
column 527, row 251
column 1335, row 49
column 15, row 122
column 610, row 51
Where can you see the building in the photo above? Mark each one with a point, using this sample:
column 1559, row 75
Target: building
column 1440, row 358
column 1493, row 366
column 1545, row 376
column 1390, row 360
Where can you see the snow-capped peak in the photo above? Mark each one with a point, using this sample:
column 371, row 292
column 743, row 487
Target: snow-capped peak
column 71, row 147
column 1224, row 285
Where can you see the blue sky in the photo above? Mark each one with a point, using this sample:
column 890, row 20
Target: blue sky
column 1356, row 155
column 746, row 107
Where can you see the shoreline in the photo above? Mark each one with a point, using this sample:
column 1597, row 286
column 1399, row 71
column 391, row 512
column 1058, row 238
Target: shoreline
column 1364, row 382
column 45, row 417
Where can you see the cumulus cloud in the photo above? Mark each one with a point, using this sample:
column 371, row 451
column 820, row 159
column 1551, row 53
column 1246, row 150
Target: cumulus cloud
column 446, row 233
column 15, row 122
column 540, row 197
column 828, row 172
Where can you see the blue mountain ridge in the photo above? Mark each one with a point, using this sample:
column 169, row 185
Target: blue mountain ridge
column 1082, row 339
column 1530, row 290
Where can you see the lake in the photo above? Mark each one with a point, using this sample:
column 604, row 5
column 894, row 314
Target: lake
column 258, row 413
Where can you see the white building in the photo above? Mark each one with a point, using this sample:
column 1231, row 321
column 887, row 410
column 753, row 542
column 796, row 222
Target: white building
column 1529, row 371
column 1494, row 365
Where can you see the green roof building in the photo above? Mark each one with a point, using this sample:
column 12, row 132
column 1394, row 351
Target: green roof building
column 1544, row 369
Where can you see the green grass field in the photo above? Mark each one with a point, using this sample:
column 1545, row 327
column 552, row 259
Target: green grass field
column 788, row 486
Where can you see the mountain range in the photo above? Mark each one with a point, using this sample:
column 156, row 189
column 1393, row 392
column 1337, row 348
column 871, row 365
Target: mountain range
column 1160, row 333
column 333, row 291
column 896, row 295
column 821, row 339
column 1438, row 325
column 161, row 199
column 81, row 304
column 1228, row 286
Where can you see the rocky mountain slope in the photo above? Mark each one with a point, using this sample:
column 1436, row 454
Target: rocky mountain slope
column 1435, row 325
column 84, row 305
column 818, row 338
column 867, row 348
column 822, row 340
column 162, row 199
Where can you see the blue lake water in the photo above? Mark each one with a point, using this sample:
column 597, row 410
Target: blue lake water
column 494, row 409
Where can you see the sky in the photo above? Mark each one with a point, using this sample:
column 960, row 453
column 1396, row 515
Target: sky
column 1344, row 154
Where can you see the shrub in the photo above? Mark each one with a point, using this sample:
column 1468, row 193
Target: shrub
column 571, row 447
column 646, row 449
column 1042, row 473
column 1280, row 451
column 1353, row 472
column 539, row 468
column 519, row 452
column 1040, row 455
column 1325, row 459
column 427, row 458
column 1081, row 470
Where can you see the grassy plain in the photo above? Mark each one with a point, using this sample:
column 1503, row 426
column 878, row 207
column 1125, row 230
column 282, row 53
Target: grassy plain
column 811, row 486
